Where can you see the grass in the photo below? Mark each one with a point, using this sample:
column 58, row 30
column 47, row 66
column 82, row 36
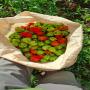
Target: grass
column 75, row 10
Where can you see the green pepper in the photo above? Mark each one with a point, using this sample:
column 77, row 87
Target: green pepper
column 46, row 57
column 34, row 47
column 57, row 32
column 53, row 58
column 45, row 25
column 43, row 60
column 59, row 52
column 46, row 47
column 50, row 34
column 39, row 52
column 26, row 40
column 59, row 47
column 25, row 49
column 40, row 43
column 33, row 43
column 15, row 42
column 38, row 24
column 23, row 45
column 47, row 41
column 52, row 49
column 52, row 38
column 65, row 33
column 19, row 29
column 34, row 36
column 50, row 29
column 15, row 35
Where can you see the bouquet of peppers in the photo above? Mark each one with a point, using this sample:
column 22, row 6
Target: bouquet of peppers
column 40, row 42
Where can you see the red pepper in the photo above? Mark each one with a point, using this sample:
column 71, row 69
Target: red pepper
column 58, row 36
column 33, row 51
column 36, row 58
column 41, row 56
column 42, row 38
column 25, row 34
column 62, row 40
column 54, row 43
column 40, row 33
column 36, row 29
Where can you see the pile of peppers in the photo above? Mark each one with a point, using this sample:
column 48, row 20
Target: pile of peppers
column 41, row 42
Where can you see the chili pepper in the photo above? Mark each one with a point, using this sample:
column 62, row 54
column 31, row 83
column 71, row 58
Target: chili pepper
column 35, row 29
column 62, row 40
column 58, row 36
column 46, row 47
column 54, row 43
column 36, row 58
column 33, row 51
column 42, row 38
column 41, row 56
column 40, row 42
column 40, row 33
column 40, row 52
column 26, row 34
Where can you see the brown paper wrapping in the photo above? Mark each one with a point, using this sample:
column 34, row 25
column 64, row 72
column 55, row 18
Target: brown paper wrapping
column 9, row 52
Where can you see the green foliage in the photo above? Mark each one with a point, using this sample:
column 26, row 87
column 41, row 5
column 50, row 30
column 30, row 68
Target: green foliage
column 76, row 10
column 34, row 80
column 12, row 7
column 79, row 13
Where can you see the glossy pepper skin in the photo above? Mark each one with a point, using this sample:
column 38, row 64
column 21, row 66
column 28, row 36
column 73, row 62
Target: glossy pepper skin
column 40, row 42
column 62, row 41
column 37, row 30
column 36, row 58
column 15, row 42
column 55, row 43
column 19, row 29
column 15, row 35
column 58, row 36
column 26, row 40
column 43, row 38
column 26, row 34
column 33, row 51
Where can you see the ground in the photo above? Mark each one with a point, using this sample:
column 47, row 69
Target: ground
column 75, row 10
